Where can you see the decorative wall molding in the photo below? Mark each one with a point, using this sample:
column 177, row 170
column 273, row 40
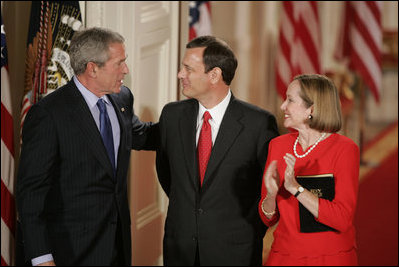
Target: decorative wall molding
column 95, row 13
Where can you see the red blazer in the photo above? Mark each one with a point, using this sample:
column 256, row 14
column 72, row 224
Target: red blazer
column 337, row 155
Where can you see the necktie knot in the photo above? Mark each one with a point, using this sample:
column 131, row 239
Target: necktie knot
column 206, row 116
column 101, row 105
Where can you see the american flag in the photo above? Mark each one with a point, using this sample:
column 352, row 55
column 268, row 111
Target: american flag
column 361, row 42
column 200, row 19
column 299, row 43
column 7, row 162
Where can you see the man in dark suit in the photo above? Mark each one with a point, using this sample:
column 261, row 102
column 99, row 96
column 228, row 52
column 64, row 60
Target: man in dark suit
column 72, row 178
column 210, row 163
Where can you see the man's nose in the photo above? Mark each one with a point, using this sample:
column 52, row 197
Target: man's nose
column 180, row 74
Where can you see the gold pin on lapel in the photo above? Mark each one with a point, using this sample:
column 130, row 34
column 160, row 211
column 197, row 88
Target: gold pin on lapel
column 123, row 109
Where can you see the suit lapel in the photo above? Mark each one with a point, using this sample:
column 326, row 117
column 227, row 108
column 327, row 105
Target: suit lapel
column 230, row 128
column 82, row 115
column 123, row 132
column 188, row 123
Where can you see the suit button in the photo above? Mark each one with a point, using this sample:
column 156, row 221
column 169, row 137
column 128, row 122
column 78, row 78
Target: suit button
column 200, row 211
column 194, row 238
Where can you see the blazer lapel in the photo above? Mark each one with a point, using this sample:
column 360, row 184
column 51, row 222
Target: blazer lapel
column 123, row 133
column 188, row 122
column 230, row 128
column 82, row 115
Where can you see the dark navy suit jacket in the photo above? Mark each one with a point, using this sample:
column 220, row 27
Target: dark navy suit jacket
column 221, row 218
column 67, row 198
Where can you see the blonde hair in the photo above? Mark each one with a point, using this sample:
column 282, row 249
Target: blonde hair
column 319, row 91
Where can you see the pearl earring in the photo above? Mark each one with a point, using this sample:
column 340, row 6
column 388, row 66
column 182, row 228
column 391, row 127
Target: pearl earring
column 310, row 117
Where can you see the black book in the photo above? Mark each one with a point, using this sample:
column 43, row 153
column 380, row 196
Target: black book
column 323, row 186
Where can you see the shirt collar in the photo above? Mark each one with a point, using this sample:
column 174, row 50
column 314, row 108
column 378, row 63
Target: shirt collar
column 217, row 112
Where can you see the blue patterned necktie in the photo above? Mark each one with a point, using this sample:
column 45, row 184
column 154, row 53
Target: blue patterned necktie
column 106, row 131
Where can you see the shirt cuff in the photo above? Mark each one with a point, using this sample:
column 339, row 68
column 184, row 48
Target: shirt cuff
column 42, row 259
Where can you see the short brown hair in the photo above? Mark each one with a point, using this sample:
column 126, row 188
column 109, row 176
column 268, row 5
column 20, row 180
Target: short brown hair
column 217, row 53
column 319, row 91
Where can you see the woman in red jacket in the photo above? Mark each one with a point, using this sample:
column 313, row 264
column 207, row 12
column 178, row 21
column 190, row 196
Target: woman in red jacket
column 311, row 180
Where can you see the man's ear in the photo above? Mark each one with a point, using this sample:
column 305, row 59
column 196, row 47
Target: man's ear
column 216, row 75
column 92, row 69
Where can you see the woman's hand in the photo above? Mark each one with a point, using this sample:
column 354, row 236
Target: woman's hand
column 290, row 183
column 272, row 179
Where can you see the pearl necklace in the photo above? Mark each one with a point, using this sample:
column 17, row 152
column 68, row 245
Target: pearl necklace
column 310, row 149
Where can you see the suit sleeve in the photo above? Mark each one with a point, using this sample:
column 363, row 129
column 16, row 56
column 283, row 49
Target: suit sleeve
column 162, row 160
column 38, row 163
column 268, row 131
column 339, row 213
column 145, row 134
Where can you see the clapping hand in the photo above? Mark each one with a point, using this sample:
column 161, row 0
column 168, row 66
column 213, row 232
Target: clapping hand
column 272, row 179
column 290, row 183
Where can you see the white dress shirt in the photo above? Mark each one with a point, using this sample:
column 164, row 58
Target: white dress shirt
column 217, row 113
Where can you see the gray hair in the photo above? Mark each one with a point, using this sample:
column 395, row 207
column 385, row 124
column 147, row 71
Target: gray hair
column 91, row 45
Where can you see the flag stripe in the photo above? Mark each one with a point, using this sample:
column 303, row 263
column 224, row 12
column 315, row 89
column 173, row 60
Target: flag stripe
column 299, row 43
column 305, row 63
column 309, row 48
column 364, row 14
column 309, row 21
column 204, row 25
column 283, row 71
column 361, row 42
column 362, row 62
column 307, row 28
column 288, row 21
column 363, row 52
column 375, row 9
column 200, row 19
column 7, row 245
column 3, row 262
column 369, row 29
column 7, row 168
column 24, row 111
column 192, row 33
column 7, row 132
column 25, row 108
column 7, row 207
column 371, row 80
column 7, row 161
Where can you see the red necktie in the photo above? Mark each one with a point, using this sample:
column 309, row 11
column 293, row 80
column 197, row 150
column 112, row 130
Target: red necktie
column 204, row 145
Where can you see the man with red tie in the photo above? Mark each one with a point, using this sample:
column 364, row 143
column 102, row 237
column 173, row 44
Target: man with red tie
column 210, row 163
